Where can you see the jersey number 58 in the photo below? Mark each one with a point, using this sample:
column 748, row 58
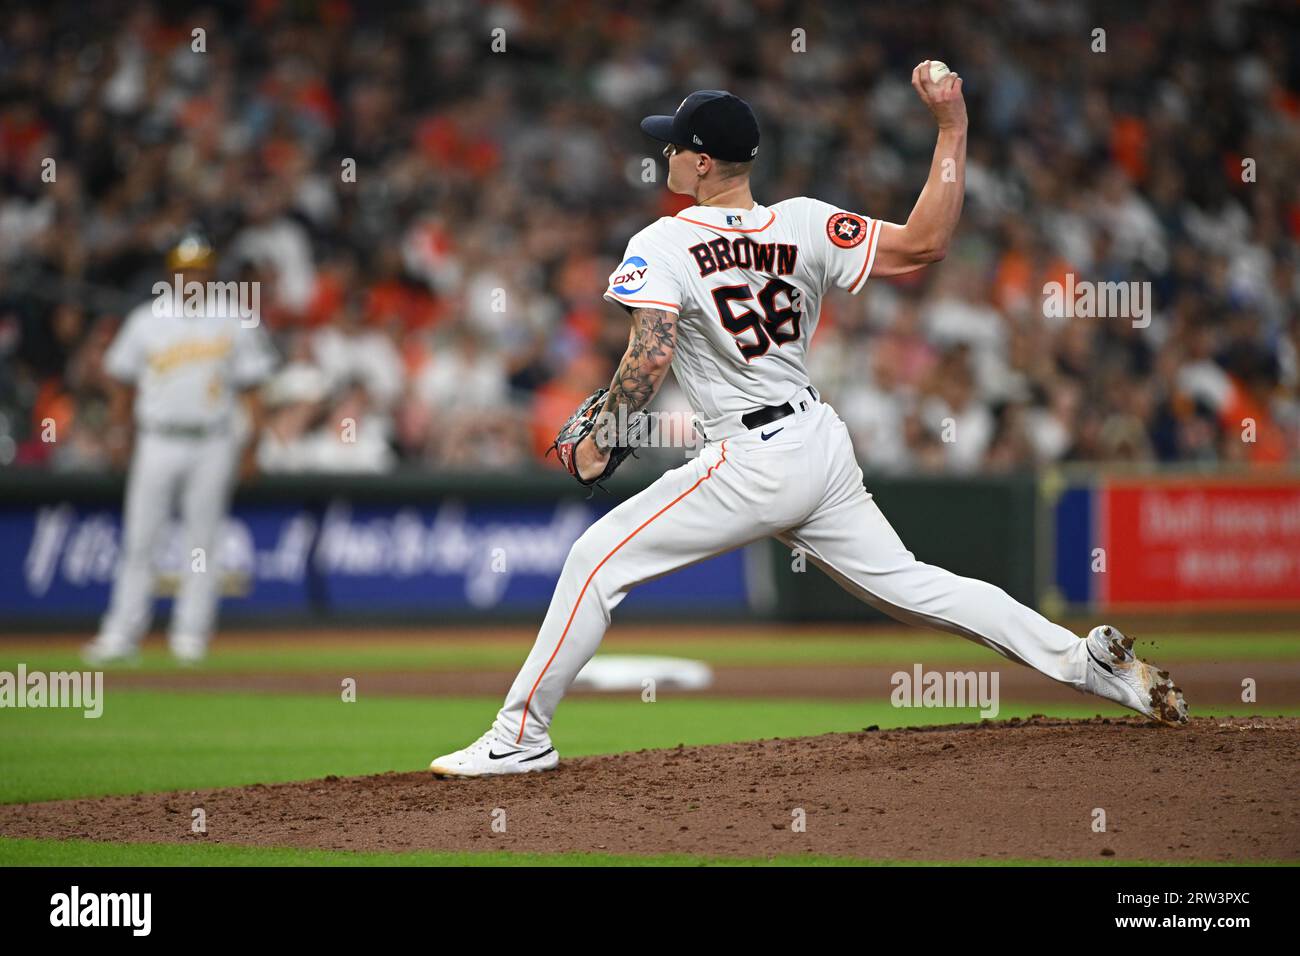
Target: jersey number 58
column 779, row 324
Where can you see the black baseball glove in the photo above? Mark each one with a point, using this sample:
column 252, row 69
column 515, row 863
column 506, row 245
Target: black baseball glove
column 581, row 424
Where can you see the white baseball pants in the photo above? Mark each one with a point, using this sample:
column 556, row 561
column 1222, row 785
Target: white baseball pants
column 199, row 473
column 803, row 486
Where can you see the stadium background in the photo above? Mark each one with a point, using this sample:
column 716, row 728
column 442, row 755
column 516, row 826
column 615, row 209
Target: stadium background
column 447, row 300
column 518, row 173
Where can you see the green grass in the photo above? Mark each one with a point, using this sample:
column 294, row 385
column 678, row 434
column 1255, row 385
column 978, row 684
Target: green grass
column 764, row 649
column 177, row 740
column 153, row 741
column 88, row 853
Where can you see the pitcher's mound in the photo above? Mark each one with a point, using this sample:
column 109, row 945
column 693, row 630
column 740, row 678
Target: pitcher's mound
column 1217, row 789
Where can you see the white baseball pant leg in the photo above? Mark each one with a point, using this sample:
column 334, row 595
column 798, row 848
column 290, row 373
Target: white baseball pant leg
column 205, row 501
column 735, row 492
column 803, row 486
column 851, row 540
column 157, row 468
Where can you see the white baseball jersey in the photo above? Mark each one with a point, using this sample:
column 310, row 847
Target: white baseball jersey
column 187, row 369
column 748, row 287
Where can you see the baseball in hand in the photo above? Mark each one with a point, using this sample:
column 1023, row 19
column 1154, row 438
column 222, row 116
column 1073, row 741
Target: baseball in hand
column 938, row 70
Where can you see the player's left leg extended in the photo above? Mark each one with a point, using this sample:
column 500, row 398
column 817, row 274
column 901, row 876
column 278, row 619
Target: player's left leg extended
column 850, row 539
column 856, row 546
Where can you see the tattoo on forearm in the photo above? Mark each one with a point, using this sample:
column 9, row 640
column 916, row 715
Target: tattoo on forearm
column 654, row 336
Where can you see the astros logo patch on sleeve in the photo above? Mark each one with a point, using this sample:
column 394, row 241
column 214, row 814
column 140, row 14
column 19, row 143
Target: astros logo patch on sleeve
column 846, row 230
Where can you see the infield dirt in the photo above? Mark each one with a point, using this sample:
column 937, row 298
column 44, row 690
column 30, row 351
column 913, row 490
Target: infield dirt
column 1216, row 790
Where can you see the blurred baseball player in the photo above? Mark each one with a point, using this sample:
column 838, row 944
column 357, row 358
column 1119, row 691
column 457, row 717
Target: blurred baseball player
column 727, row 293
column 184, row 377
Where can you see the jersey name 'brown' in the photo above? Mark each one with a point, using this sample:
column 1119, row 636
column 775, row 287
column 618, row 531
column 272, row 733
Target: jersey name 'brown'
column 719, row 255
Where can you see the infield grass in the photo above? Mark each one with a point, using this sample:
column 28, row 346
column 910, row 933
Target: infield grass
column 64, row 853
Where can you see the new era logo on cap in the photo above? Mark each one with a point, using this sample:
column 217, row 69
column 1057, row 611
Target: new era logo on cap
column 714, row 122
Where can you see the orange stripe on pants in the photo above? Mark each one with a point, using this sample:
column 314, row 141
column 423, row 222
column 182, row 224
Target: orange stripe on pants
column 523, row 719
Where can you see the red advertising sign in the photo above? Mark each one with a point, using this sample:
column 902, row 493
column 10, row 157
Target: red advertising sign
column 1207, row 543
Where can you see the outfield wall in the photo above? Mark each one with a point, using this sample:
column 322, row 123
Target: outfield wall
column 415, row 547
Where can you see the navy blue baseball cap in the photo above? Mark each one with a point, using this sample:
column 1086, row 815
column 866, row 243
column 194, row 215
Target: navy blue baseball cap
column 709, row 121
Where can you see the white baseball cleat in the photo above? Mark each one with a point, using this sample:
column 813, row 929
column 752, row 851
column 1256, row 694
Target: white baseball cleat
column 491, row 756
column 108, row 649
column 187, row 650
column 1115, row 673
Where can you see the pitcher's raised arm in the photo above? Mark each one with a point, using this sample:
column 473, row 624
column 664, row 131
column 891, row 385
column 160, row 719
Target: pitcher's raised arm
column 925, row 236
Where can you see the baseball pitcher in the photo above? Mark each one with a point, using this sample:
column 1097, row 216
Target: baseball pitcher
column 184, row 368
column 727, row 293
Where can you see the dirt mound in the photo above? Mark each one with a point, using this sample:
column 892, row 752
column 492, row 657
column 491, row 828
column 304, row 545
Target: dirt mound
column 1218, row 789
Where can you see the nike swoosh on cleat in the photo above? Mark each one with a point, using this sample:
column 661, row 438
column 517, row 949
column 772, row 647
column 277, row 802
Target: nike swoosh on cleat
column 496, row 756
column 766, row 435
column 1100, row 663
column 539, row 756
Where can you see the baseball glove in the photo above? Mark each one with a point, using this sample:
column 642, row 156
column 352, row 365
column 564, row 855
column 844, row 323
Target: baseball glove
column 581, row 424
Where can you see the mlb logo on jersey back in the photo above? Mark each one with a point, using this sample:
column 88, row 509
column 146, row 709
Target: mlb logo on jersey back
column 846, row 230
column 630, row 276
column 735, row 220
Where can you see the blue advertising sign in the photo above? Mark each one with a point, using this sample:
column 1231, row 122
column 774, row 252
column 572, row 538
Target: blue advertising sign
column 446, row 557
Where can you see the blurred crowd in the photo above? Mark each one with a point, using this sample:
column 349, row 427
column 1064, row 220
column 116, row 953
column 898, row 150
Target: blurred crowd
column 433, row 194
